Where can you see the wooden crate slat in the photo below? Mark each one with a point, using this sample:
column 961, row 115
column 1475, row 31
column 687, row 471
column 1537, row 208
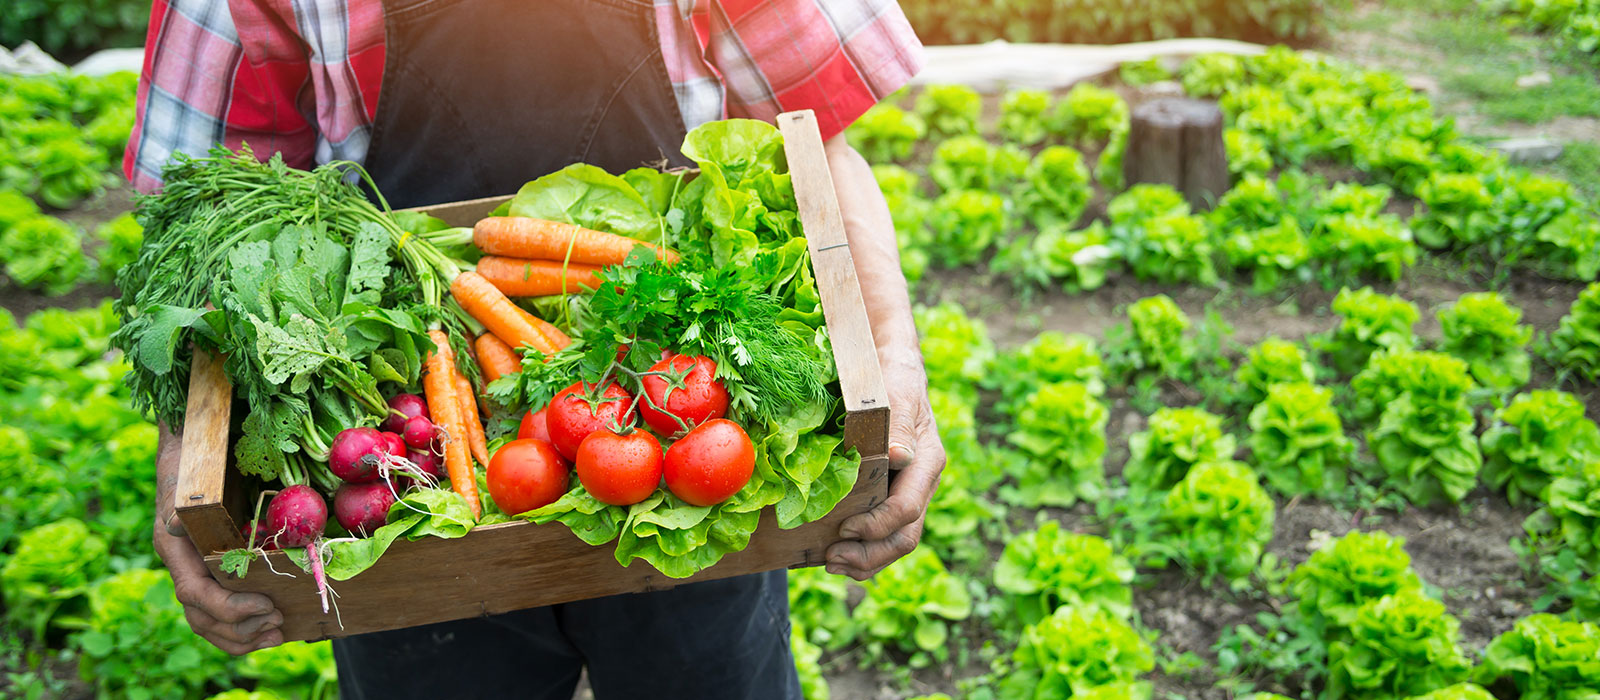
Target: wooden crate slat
column 860, row 379
column 464, row 213
column 203, row 474
column 511, row 566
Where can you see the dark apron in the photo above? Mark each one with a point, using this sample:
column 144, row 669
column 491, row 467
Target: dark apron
column 481, row 96
column 478, row 98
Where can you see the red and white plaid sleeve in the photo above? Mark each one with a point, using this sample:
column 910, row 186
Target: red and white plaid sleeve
column 295, row 77
column 758, row 58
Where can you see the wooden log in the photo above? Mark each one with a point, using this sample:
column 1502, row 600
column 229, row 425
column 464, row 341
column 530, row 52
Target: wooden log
column 1178, row 141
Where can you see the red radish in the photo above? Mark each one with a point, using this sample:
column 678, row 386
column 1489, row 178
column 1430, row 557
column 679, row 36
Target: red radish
column 428, row 461
column 419, row 433
column 319, row 573
column 356, row 454
column 394, row 444
column 296, row 516
column 404, row 407
column 363, row 508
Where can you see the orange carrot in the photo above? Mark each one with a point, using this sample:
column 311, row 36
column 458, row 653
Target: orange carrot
column 517, row 277
column 551, row 333
column 492, row 309
column 524, row 237
column 469, row 414
column 439, row 387
column 495, row 358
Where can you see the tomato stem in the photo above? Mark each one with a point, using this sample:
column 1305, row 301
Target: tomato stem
column 683, row 426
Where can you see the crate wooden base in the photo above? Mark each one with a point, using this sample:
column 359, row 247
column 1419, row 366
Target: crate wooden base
column 512, row 566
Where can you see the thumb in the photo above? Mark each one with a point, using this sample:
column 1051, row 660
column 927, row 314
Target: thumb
column 905, row 413
column 174, row 526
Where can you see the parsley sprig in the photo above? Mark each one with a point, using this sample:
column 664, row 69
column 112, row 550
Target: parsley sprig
column 725, row 314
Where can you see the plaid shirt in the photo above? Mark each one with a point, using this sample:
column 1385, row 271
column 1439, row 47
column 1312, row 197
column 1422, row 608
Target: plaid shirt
column 302, row 77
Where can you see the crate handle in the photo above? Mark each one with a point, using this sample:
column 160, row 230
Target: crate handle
column 203, row 470
column 854, row 351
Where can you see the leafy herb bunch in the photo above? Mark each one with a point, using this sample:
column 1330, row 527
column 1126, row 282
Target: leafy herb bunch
column 208, row 208
column 648, row 307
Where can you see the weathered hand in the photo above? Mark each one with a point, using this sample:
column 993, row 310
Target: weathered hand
column 874, row 539
column 236, row 623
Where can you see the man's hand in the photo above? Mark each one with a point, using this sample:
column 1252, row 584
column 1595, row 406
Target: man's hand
column 874, row 539
column 236, row 623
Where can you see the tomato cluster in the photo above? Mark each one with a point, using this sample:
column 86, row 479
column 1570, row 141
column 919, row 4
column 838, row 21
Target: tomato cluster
column 708, row 459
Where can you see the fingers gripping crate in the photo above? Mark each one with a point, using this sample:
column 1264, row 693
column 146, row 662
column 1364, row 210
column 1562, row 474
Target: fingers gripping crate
column 511, row 566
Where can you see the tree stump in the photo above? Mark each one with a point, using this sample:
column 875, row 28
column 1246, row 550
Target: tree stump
column 1178, row 141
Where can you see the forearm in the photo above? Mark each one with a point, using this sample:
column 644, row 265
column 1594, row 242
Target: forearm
column 871, row 540
column 870, row 229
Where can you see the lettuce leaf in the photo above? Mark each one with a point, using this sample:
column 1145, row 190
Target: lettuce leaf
column 735, row 146
column 425, row 513
column 590, row 197
column 679, row 539
column 592, row 521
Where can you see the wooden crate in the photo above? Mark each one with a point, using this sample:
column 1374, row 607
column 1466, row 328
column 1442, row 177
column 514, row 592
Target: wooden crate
column 511, row 566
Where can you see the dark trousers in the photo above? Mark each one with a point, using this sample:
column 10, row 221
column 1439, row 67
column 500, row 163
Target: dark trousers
column 711, row 640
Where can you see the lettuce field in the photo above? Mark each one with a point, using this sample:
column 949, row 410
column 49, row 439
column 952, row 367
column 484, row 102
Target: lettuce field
column 1332, row 436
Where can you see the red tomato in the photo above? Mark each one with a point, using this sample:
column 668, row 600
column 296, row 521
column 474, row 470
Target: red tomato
column 570, row 418
column 711, row 463
column 620, row 470
column 699, row 397
column 534, row 425
column 526, row 474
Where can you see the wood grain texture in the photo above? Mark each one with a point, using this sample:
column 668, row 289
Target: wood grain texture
column 1155, row 149
column 464, row 213
column 511, row 566
column 201, row 499
column 855, row 353
column 1178, row 141
column 1205, row 168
